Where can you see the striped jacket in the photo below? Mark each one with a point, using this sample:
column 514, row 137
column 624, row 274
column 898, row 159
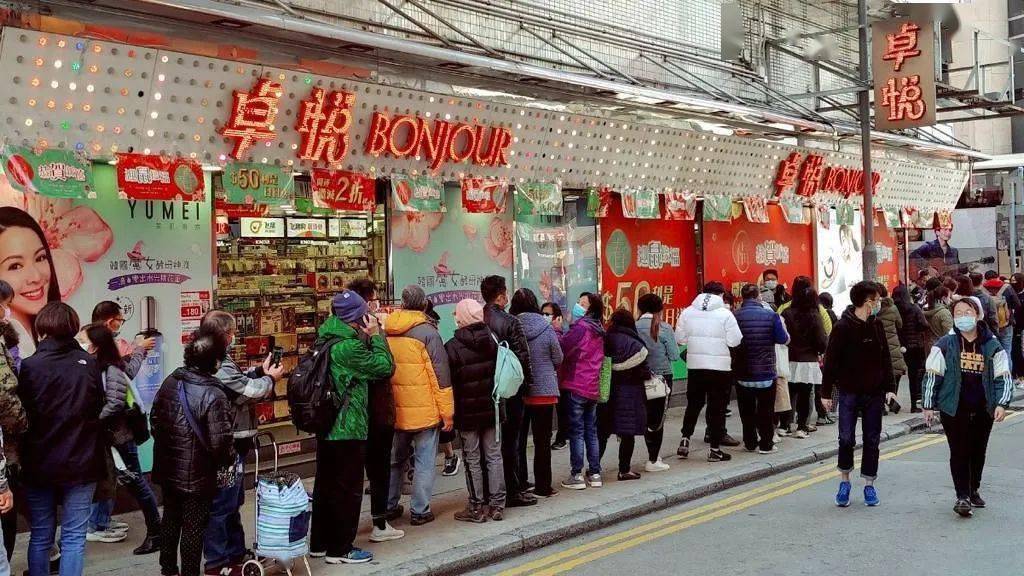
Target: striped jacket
column 942, row 373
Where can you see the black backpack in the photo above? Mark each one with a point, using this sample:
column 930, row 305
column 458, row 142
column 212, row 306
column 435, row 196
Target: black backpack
column 312, row 397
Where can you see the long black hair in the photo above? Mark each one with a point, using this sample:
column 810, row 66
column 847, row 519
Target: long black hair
column 595, row 310
column 804, row 296
column 523, row 300
column 102, row 339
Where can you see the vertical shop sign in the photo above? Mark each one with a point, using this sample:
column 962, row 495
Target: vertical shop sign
column 417, row 194
column 194, row 304
column 142, row 177
column 484, row 195
column 48, row 172
column 903, row 60
column 343, row 190
column 599, row 200
column 538, row 199
column 680, row 206
column 641, row 203
column 251, row 183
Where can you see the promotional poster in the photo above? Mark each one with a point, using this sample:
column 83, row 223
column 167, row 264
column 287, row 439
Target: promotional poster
column 839, row 250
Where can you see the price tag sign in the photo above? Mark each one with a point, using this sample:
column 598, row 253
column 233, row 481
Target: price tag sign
column 250, row 183
column 343, row 190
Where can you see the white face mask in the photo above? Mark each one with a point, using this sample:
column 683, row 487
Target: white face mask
column 771, row 284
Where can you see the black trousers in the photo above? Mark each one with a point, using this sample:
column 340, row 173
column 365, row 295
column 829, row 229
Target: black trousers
column 378, row 470
column 712, row 387
column 9, row 521
column 626, row 446
column 184, row 523
column 915, row 358
column 656, row 409
column 337, row 495
column 800, row 396
column 510, row 429
column 967, row 434
column 757, row 412
column 563, row 418
column 539, row 419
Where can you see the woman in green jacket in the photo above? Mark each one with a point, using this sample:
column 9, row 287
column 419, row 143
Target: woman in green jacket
column 968, row 383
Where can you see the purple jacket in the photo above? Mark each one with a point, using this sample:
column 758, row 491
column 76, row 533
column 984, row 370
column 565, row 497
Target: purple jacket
column 583, row 350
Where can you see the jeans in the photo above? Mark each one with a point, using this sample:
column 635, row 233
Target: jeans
column 757, row 411
column 379, row 441
column 186, row 517
column 224, row 543
column 76, row 504
column 338, row 495
column 539, row 420
column 713, row 387
column 136, row 483
column 422, row 446
column 480, row 448
column 583, row 434
column 967, row 434
column 1006, row 339
column 869, row 408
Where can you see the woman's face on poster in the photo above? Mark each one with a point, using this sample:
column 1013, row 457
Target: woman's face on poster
column 25, row 265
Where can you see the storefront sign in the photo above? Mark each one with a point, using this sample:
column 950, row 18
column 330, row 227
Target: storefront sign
column 484, row 195
column 598, row 202
column 307, row 228
column 793, row 210
column 252, row 117
column 194, row 304
column 346, row 228
column 417, row 194
column 49, row 172
column 142, row 177
column 891, row 217
column 903, row 61
column 251, row 183
column 680, row 206
column 323, row 122
column 229, row 210
column 438, row 141
column 888, row 254
column 737, row 252
column 811, row 176
column 642, row 256
column 262, row 227
column 756, row 209
column 538, row 199
column 343, row 190
column 641, row 203
column 844, row 214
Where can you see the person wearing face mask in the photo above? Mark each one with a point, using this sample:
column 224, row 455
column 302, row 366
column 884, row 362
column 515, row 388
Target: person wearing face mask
column 938, row 314
column 553, row 312
column 967, row 388
column 225, row 539
column 111, row 315
column 579, row 309
column 772, row 293
column 859, row 366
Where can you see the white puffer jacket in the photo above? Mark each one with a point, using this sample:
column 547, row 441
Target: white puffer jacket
column 708, row 329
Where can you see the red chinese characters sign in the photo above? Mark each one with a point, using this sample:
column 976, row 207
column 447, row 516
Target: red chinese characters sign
column 141, row 177
column 903, row 61
column 737, row 252
column 641, row 256
column 252, row 117
column 810, row 175
column 343, row 190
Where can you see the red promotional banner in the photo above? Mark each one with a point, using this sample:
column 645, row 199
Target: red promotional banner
column 642, row 256
column 737, row 252
column 484, row 196
column 229, row 210
column 343, row 190
column 142, row 177
column 888, row 253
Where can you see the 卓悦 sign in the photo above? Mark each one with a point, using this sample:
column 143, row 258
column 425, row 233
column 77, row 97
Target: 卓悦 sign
column 903, row 63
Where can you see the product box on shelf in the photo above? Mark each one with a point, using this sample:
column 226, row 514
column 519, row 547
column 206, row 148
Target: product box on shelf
column 287, row 340
column 273, row 320
column 257, row 345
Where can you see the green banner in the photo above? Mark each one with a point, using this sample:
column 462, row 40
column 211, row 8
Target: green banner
column 844, row 214
column 717, row 208
column 305, row 206
column 251, row 183
column 417, row 194
column 538, row 199
column 51, row 172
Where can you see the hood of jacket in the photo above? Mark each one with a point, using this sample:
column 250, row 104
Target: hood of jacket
column 534, row 324
column 624, row 346
column 708, row 302
column 476, row 336
column 592, row 325
column 334, row 327
column 851, row 315
column 402, row 321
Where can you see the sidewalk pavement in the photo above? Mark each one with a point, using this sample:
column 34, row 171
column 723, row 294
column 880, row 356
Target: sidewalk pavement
column 449, row 547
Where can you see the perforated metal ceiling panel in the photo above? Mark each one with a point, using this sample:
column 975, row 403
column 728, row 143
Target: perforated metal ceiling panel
column 102, row 98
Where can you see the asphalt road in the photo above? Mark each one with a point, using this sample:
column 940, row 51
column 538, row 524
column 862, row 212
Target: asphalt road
column 788, row 524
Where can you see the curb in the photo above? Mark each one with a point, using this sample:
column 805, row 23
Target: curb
column 460, row 559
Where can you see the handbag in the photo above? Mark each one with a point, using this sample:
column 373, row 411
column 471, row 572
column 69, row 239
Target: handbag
column 655, row 387
column 137, row 417
column 605, row 380
column 226, row 475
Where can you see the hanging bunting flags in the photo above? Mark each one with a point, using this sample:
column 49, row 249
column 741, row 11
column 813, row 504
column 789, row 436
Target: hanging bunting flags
column 793, row 210
column 252, row 183
column 538, row 199
column 891, row 217
column 417, row 194
column 680, row 206
column 756, row 209
column 599, row 201
column 908, row 216
column 717, row 208
column 484, row 195
column 145, row 177
column 343, row 190
column 944, row 219
column 824, row 215
column 641, row 203
column 844, row 214
column 48, row 172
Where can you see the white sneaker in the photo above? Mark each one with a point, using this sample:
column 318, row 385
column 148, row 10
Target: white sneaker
column 783, row 432
column 776, row 439
column 105, row 536
column 774, row 449
column 800, row 434
column 656, row 466
column 118, row 526
column 595, row 480
column 387, row 534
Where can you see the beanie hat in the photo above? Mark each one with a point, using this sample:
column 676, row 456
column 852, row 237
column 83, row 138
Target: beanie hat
column 468, row 312
column 413, row 298
column 349, row 306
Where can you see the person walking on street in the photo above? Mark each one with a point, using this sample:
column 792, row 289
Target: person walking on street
column 579, row 382
column 1006, row 304
column 423, row 402
column 807, row 344
column 225, row 548
column 892, row 323
column 708, row 329
column 111, row 315
column 913, row 335
column 662, row 352
column 975, row 288
column 472, row 357
column 542, row 396
column 508, row 328
column 756, row 371
column 859, row 366
column 192, row 449
column 625, row 413
column 62, row 393
column 938, row 314
column 969, row 385
column 358, row 357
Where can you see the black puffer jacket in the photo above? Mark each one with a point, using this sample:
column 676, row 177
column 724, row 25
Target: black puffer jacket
column 508, row 328
column 180, row 460
column 472, row 355
column 60, row 388
column 114, row 413
column 628, row 412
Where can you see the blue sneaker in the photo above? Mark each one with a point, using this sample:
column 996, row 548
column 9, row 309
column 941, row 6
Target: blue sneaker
column 843, row 496
column 354, row 556
column 870, row 496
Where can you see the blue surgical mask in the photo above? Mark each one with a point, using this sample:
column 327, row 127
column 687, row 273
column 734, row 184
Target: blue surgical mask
column 578, row 311
column 965, row 323
column 876, row 308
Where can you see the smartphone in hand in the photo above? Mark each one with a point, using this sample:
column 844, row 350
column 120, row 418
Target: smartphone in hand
column 275, row 356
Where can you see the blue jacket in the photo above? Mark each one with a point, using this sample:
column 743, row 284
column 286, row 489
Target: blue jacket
column 762, row 329
column 942, row 377
column 545, row 354
column 662, row 353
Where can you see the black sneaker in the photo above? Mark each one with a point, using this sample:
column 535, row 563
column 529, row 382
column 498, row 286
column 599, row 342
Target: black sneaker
column 421, row 519
column 963, row 508
column 684, row 448
column 976, row 500
column 395, row 513
column 521, row 499
column 558, row 445
column 451, row 466
column 719, row 456
column 623, row 476
column 728, row 412
column 729, row 441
